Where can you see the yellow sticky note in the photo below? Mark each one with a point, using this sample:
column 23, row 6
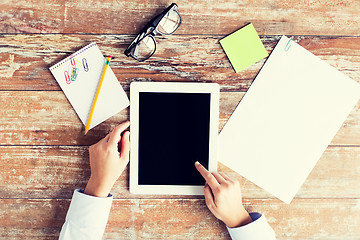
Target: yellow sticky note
column 243, row 47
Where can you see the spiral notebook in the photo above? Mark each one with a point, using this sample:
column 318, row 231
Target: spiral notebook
column 286, row 120
column 78, row 76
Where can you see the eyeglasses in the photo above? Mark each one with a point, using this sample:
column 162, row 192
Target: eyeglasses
column 144, row 46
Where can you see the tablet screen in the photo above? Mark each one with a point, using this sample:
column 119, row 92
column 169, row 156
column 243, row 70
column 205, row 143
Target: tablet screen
column 173, row 134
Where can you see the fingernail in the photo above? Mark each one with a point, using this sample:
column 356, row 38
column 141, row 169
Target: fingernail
column 197, row 163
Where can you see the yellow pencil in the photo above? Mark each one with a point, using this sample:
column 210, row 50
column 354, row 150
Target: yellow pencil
column 87, row 127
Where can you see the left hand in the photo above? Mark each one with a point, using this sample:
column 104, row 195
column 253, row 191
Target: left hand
column 106, row 162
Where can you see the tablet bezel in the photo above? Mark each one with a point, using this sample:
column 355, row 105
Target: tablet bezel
column 171, row 87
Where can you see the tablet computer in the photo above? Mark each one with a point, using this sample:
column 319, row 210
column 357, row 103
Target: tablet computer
column 173, row 125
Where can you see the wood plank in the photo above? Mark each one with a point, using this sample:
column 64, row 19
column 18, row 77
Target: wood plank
column 330, row 17
column 184, row 219
column 47, row 118
column 24, row 59
column 55, row 171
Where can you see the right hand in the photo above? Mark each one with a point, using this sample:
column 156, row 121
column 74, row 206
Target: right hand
column 223, row 198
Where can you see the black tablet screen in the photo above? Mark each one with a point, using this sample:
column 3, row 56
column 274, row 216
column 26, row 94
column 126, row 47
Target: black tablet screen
column 173, row 134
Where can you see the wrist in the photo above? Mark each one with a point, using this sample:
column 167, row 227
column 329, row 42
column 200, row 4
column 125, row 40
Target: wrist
column 96, row 188
column 243, row 218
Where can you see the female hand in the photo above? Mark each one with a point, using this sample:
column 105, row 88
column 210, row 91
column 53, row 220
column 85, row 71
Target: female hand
column 106, row 162
column 223, row 198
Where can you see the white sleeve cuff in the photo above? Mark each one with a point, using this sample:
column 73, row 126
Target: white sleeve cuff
column 258, row 229
column 87, row 217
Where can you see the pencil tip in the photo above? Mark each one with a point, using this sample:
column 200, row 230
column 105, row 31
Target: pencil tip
column 86, row 131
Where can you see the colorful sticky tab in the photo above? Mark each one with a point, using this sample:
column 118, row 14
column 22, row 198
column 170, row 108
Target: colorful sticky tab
column 243, row 47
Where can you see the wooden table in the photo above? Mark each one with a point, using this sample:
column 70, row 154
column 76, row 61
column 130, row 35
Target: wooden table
column 44, row 153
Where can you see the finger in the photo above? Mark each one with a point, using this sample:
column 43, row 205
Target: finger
column 226, row 177
column 125, row 146
column 115, row 135
column 219, row 178
column 209, row 199
column 209, row 178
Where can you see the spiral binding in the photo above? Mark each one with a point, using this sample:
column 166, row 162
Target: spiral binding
column 72, row 56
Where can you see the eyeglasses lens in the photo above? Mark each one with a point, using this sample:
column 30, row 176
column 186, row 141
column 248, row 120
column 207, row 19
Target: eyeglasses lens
column 169, row 23
column 144, row 49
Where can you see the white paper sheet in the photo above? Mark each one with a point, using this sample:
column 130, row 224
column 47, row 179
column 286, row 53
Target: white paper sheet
column 286, row 120
column 81, row 92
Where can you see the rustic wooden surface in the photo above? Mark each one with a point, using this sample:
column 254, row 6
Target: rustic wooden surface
column 43, row 153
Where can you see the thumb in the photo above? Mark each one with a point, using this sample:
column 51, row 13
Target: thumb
column 115, row 135
column 125, row 147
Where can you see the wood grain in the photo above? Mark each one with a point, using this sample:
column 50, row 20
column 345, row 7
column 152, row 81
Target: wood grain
column 184, row 219
column 323, row 17
column 47, row 118
column 43, row 153
column 55, row 171
column 25, row 59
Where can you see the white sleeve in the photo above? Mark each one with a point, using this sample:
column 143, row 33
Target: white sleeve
column 258, row 229
column 86, row 218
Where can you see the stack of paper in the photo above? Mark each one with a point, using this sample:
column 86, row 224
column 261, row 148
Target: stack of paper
column 286, row 120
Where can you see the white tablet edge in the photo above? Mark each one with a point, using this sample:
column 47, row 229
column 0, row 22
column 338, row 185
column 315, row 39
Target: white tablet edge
column 135, row 89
